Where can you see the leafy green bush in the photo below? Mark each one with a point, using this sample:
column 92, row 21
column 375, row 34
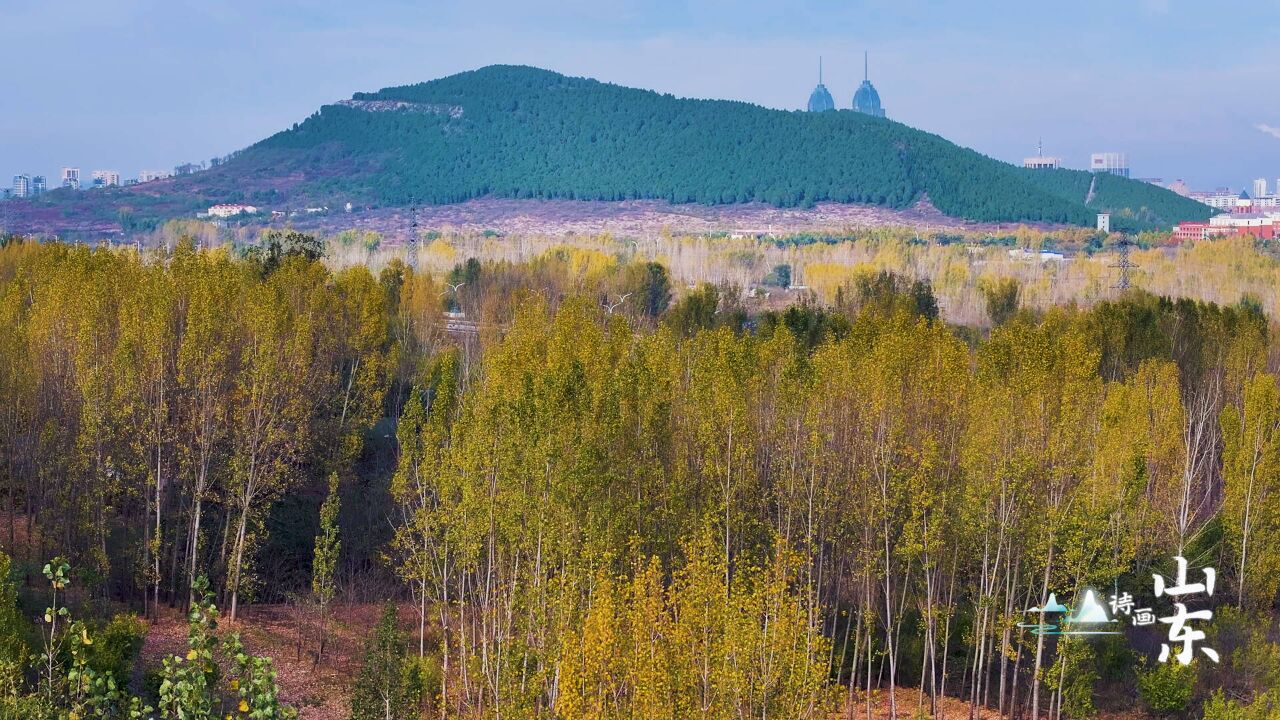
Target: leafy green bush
column 1002, row 299
column 386, row 681
column 117, row 644
column 1219, row 707
column 151, row 680
column 779, row 276
column 1116, row 659
column 1167, row 688
column 1075, row 671
column 14, row 630
column 423, row 677
column 192, row 686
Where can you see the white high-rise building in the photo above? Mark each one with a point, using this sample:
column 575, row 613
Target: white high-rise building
column 21, row 186
column 1259, row 187
column 105, row 178
column 1109, row 162
column 71, row 178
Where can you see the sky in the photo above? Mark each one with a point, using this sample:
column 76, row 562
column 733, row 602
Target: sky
column 1187, row 89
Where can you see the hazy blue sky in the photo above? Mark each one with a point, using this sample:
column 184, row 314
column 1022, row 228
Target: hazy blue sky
column 1187, row 89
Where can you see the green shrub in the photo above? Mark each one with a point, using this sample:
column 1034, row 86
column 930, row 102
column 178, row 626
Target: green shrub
column 1116, row 659
column 385, row 681
column 116, row 645
column 1075, row 670
column 14, row 630
column 1167, row 687
column 422, row 678
column 1266, row 706
column 1218, row 707
column 779, row 276
column 151, row 680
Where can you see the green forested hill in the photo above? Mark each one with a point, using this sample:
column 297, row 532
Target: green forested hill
column 527, row 133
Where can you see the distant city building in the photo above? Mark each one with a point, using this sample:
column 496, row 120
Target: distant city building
column 1180, row 186
column 1246, row 203
column 1104, row 222
column 1232, row 202
column 866, row 100
column 1260, row 187
column 105, row 178
column 1109, row 162
column 71, row 178
column 22, row 186
column 188, row 168
column 1185, row 231
column 150, row 175
column 1041, row 161
column 1261, row 225
column 1220, row 199
column 38, row 185
column 226, row 211
column 1158, row 182
column 820, row 99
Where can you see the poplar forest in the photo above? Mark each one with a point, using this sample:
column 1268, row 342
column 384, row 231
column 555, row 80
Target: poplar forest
column 608, row 495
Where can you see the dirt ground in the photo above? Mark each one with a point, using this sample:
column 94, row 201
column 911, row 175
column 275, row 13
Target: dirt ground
column 318, row 691
column 634, row 218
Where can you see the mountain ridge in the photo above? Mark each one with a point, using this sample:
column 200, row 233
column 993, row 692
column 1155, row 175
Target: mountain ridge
column 520, row 132
column 525, row 132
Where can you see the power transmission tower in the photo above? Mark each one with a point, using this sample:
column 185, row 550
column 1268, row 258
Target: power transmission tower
column 1124, row 264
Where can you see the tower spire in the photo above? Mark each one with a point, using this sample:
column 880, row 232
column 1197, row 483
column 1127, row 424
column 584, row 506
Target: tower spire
column 819, row 69
column 866, row 75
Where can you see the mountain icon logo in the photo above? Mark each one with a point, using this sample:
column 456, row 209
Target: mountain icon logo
column 1089, row 612
column 1053, row 606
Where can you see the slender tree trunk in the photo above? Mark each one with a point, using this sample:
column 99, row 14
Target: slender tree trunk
column 238, row 558
column 1044, row 598
column 193, row 552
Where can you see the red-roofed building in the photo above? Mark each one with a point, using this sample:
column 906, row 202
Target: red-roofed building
column 1185, row 231
column 1264, row 226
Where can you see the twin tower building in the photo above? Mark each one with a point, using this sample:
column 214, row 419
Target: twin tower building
column 865, row 100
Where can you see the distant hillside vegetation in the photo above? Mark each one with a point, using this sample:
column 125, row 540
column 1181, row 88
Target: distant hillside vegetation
column 522, row 132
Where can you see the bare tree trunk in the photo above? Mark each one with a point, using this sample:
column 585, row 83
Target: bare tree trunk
column 238, row 559
column 1044, row 598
